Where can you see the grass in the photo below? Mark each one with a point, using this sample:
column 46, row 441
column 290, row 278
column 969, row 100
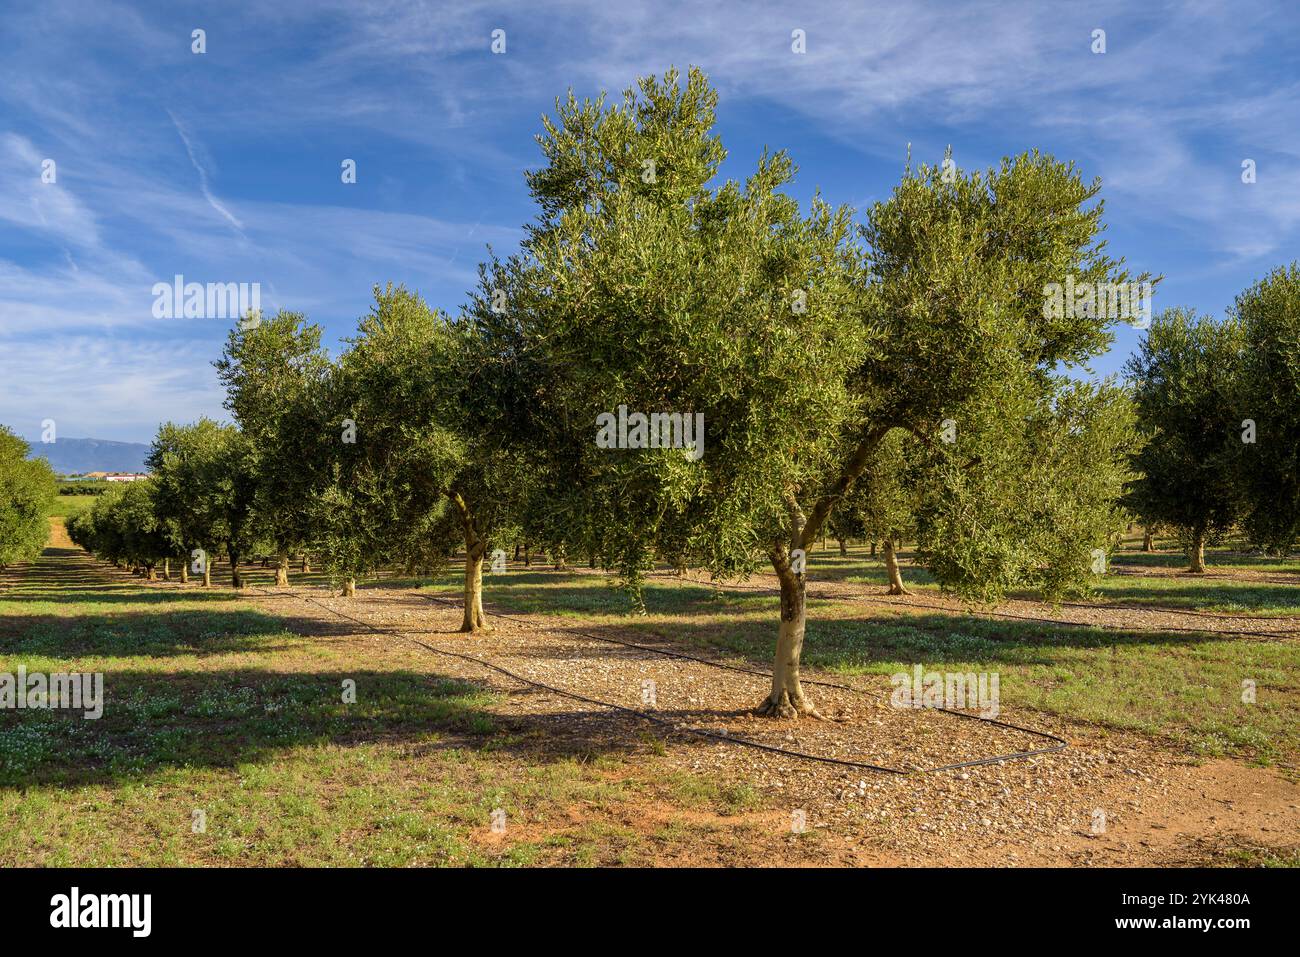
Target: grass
column 64, row 506
column 214, row 706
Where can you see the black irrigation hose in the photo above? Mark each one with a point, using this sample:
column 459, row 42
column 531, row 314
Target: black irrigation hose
column 1166, row 610
column 1280, row 635
column 852, row 596
column 1060, row 743
column 995, row 759
column 1201, row 576
column 606, row 704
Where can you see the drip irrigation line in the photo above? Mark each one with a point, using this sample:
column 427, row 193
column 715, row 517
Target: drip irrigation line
column 875, row 599
column 1201, row 576
column 656, row 719
column 1060, row 744
column 1165, row 609
column 1282, row 635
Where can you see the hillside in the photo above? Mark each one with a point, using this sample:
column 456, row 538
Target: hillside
column 74, row 456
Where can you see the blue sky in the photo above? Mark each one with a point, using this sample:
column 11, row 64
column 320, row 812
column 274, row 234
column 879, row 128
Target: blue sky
column 225, row 166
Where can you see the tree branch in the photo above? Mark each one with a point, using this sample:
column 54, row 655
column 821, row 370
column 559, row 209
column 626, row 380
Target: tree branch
column 852, row 469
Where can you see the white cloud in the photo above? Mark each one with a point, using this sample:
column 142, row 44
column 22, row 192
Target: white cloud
column 105, row 388
column 26, row 201
column 204, row 185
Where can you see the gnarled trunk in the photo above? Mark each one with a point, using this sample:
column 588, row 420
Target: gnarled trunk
column 844, row 549
column 282, row 571
column 236, row 580
column 896, row 586
column 474, row 621
column 150, row 573
column 349, row 587
column 167, row 569
column 787, row 698
column 1148, row 543
column 185, row 572
column 1197, row 554
column 476, row 547
column 207, row 573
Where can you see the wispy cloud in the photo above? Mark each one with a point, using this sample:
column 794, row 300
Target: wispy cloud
column 121, row 390
column 203, row 177
column 441, row 129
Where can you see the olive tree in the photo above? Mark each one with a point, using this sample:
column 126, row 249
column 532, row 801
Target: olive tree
column 271, row 369
column 647, row 297
column 204, row 487
column 27, row 489
column 125, row 526
column 416, row 466
column 881, row 505
column 1186, row 374
column 1269, row 314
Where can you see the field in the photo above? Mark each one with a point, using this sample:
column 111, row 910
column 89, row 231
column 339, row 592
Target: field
column 232, row 705
column 65, row 506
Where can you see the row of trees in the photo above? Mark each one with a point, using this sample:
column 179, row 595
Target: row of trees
column 1219, row 402
column 28, row 487
column 900, row 378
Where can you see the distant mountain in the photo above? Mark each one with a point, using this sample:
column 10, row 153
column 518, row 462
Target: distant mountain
column 75, row 456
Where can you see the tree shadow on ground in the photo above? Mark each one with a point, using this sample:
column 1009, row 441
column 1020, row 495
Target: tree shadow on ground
column 1177, row 561
column 161, row 634
column 153, row 721
column 1247, row 594
column 838, row 638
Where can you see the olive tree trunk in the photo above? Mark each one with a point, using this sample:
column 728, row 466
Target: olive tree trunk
column 1197, row 554
column 474, row 621
column 349, row 587
column 476, row 546
column 787, row 698
column 1148, row 543
column 236, row 579
column 896, row 586
column 282, row 571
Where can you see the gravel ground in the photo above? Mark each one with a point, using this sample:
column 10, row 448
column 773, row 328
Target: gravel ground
column 1109, row 798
